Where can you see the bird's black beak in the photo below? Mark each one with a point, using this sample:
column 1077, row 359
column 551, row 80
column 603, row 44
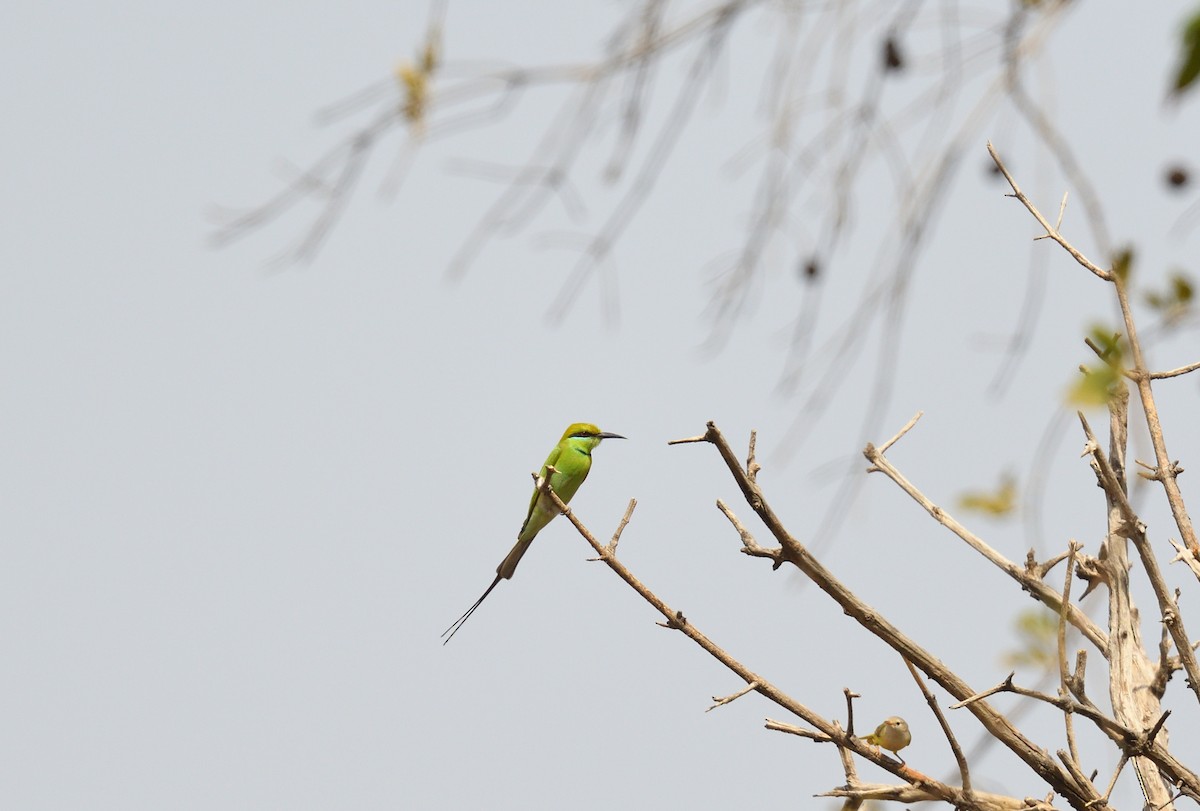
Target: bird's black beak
column 607, row 435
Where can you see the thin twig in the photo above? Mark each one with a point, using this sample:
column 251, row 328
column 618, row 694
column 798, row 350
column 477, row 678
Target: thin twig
column 1182, row 370
column 1116, row 773
column 908, row 426
column 792, row 729
column 870, row 619
column 616, row 538
column 1129, row 740
column 1182, row 553
column 1139, row 373
column 749, row 545
column 850, row 696
column 1081, row 779
column 1062, row 209
column 1002, row 687
column 1044, row 593
column 721, row 702
column 676, row 621
column 963, row 770
column 752, row 465
column 1051, row 231
column 1063, row 676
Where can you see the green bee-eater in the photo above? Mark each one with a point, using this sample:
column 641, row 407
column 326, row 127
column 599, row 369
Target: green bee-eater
column 571, row 460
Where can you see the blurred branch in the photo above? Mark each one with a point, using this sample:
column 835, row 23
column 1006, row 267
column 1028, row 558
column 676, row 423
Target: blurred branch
column 824, row 122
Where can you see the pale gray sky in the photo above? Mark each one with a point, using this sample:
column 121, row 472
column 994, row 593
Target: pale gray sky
column 240, row 506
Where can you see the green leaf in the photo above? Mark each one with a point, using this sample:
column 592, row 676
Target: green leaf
column 1099, row 384
column 1189, row 56
column 1182, row 287
column 997, row 503
column 1108, row 342
column 1176, row 301
column 1122, row 263
column 1037, row 629
column 1096, row 387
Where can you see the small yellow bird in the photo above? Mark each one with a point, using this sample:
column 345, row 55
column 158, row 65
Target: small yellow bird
column 892, row 735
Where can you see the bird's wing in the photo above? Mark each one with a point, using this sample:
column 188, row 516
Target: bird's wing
column 550, row 460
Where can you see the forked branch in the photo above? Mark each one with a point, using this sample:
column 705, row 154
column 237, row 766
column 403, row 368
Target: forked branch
column 825, row 730
column 1166, row 469
column 795, row 553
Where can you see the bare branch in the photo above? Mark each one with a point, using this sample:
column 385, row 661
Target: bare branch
column 1116, row 773
column 1131, row 670
column 1062, row 209
column 792, row 729
column 959, row 758
column 749, row 545
column 1031, row 584
column 1051, row 231
column 1133, row 528
column 908, row 426
column 796, row 554
column 752, row 466
column 1076, row 772
column 1002, row 687
column 616, row 538
column 1182, row 370
column 1129, row 740
column 677, row 621
column 1118, row 733
column 721, row 702
column 1040, row 570
column 1063, row 675
column 830, row 730
column 1182, row 553
column 908, row 794
column 1139, row 373
column 850, row 696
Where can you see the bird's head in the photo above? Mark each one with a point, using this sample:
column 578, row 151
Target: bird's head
column 586, row 434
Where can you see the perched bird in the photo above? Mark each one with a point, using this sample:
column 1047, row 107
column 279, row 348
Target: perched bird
column 571, row 460
column 892, row 735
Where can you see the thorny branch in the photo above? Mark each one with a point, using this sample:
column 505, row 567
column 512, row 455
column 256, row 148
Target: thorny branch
column 1079, row 795
column 1064, row 675
column 1129, row 740
column 964, row 770
column 1127, row 649
column 1067, row 779
column 824, row 730
column 1167, row 471
column 1131, row 527
column 1029, row 580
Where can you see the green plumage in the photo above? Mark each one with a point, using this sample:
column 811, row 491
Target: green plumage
column 572, row 461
